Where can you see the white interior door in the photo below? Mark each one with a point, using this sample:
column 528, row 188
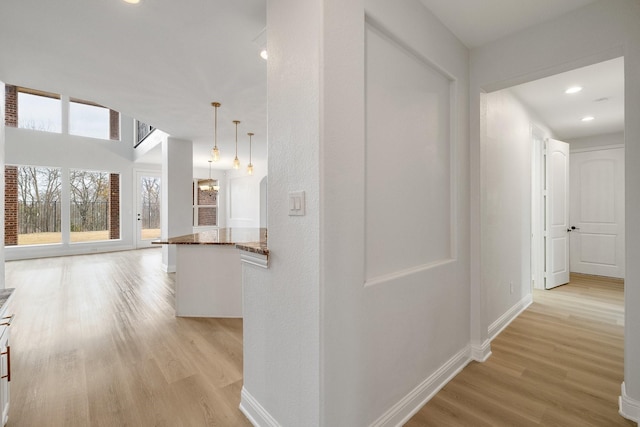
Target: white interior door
column 148, row 191
column 557, row 214
column 597, row 212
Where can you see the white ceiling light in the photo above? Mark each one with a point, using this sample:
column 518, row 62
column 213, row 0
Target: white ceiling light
column 132, row 1
column 587, row 118
column 573, row 89
column 263, row 54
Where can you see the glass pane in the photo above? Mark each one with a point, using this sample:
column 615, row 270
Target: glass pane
column 150, row 209
column 89, row 205
column 38, row 205
column 88, row 120
column 207, row 216
column 39, row 113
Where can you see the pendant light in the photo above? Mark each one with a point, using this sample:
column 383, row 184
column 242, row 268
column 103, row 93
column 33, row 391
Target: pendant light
column 250, row 165
column 210, row 185
column 236, row 162
column 215, row 153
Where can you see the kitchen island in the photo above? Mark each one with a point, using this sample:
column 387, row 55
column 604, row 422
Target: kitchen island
column 208, row 270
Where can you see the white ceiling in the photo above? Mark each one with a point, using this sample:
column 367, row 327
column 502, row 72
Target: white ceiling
column 477, row 22
column 165, row 61
column 161, row 61
column 602, row 97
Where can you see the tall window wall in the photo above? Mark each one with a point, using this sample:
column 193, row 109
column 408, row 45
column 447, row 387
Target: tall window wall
column 34, row 211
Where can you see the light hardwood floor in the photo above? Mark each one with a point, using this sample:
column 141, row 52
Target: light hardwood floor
column 560, row 363
column 95, row 343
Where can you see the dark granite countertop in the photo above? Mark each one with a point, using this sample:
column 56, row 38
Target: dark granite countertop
column 248, row 239
column 255, row 247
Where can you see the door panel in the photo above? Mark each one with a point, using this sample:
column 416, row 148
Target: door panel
column 597, row 212
column 148, row 190
column 557, row 214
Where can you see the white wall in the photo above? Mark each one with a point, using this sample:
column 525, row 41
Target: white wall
column 596, row 141
column 597, row 32
column 243, row 197
column 347, row 331
column 507, row 204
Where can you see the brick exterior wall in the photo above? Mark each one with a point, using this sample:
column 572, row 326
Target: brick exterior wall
column 206, row 215
column 10, row 205
column 11, row 106
column 114, row 206
column 114, row 125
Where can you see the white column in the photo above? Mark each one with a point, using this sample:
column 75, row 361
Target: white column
column 281, row 304
column 64, row 117
column 630, row 396
column 176, row 181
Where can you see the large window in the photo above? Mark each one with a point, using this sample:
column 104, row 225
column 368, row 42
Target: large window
column 89, row 205
column 88, row 119
column 32, row 208
column 205, row 202
column 39, row 111
column 34, row 212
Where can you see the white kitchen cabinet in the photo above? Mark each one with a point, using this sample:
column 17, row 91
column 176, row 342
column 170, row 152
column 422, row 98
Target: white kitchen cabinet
column 5, row 367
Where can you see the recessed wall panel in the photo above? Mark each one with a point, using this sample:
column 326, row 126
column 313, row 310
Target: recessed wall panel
column 598, row 249
column 408, row 160
column 559, row 255
column 597, row 191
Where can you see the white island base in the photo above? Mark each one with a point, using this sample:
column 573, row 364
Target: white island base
column 208, row 281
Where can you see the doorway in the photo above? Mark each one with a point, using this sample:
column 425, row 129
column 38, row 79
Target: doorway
column 147, row 216
column 577, row 205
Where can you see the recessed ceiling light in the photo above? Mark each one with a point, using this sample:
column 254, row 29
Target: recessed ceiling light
column 587, row 118
column 263, row 54
column 573, row 89
column 132, row 1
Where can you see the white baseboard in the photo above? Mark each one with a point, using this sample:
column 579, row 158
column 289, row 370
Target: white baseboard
column 503, row 321
column 253, row 410
column 480, row 353
column 400, row 413
column 168, row 268
column 628, row 407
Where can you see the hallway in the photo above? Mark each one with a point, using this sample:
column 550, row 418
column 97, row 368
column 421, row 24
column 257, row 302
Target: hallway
column 559, row 363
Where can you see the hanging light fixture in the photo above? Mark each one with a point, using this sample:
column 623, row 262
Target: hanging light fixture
column 250, row 165
column 210, row 184
column 215, row 153
column 236, row 162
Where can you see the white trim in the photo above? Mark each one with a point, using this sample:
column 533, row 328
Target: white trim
column 252, row 258
column 168, row 268
column 377, row 280
column 598, row 148
column 254, row 411
column 480, row 353
column 503, row 321
column 409, row 405
column 628, row 407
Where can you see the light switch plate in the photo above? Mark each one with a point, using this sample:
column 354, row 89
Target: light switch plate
column 296, row 203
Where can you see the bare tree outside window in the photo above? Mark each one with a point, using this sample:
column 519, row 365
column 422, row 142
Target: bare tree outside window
column 39, row 205
column 89, row 205
column 150, row 196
